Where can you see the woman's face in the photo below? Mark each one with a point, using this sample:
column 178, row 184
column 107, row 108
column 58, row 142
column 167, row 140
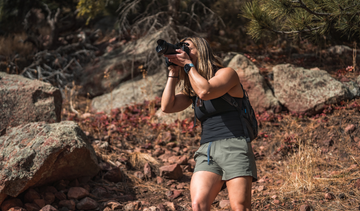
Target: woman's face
column 193, row 51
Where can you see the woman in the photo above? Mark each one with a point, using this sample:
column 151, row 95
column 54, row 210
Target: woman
column 224, row 155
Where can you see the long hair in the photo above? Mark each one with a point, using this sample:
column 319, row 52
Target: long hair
column 207, row 63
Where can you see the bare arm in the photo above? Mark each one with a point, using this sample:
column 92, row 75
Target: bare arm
column 170, row 102
column 225, row 80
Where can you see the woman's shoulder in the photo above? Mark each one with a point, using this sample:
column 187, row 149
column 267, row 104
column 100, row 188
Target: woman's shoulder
column 225, row 70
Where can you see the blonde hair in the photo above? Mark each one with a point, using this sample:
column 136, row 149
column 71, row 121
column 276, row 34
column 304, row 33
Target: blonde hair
column 207, row 63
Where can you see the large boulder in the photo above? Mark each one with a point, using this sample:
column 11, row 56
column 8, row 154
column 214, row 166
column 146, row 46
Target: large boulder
column 260, row 94
column 24, row 100
column 131, row 92
column 119, row 65
column 302, row 90
column 35, row 154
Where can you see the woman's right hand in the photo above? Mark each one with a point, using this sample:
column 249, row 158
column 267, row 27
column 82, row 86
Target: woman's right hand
column 174, row 70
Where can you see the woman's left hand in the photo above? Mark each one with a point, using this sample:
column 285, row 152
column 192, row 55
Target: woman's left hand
column 181, row 58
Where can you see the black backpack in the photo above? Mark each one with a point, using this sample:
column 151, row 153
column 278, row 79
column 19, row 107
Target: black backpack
column 247, row 115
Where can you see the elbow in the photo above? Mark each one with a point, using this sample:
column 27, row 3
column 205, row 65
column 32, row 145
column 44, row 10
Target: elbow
column 204, row 95
column 165, row 109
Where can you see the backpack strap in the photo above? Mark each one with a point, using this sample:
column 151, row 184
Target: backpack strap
column 233, row 102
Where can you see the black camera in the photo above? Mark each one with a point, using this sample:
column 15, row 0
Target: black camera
column 167, row 48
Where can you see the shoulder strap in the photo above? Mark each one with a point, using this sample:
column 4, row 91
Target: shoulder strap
column 228, row 98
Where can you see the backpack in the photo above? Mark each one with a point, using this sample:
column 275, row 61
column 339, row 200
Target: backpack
column 247, row 115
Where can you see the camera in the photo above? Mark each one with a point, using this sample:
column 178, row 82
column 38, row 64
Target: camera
column 168, row 48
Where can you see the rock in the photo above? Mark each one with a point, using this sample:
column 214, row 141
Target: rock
column 132, row 206
column 31, row 207
column 77, row 193
column 114, row 175
column 24, row 100
column 175, row 194
column 224, row 203
column 159, row 180
column 170, row 118
column 183, row 160
column 70, row 204
column 131, row 92
column 260, row 94
column 41, row 153
column 357, row 184
column 49, row 198
column 170, row 206
column 171, row 171
column 31, row 195
column 305, row 207
column 9, row 203
column 353, row 87
column 40, row 202
column 115, row 67
column 100, row 192
column 114, row 205
column 350, row 128
column 147, row 170
column 87, row 204
column 329, row 196
column 48, row 208
column 306, row 91
column 60, row 196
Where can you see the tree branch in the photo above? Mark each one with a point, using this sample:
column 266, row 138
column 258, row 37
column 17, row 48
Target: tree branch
column 294, row 32
column 303, row 5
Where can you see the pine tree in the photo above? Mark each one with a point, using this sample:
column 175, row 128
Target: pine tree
column 313, row 19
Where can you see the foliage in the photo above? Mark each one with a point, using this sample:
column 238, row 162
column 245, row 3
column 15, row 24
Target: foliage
column 324, row 19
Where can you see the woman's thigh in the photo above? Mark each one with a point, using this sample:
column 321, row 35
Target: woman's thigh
column 239, row 190
column 204, row 187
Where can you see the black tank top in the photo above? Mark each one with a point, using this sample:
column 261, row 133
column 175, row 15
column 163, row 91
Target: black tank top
column 219, row 119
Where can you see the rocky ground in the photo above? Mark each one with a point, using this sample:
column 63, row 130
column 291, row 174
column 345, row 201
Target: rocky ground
column 304, row 162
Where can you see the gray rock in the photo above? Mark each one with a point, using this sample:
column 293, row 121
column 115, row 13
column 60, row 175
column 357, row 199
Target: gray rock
column 131, row 92
column 260, row 94
column 306, row 91
column 24, row 100
column 35, row 154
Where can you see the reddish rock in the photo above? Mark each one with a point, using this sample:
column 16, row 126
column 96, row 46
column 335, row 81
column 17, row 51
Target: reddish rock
column 31, row 207
column 114, row 175
column 53, row 152
column 350, row 128
column 173, row 159
column 159, row 180
column 183, row 160
column 9, row 203
column 192, row 162
column 60, row 196
column 175, row 194
column 165, row 157
column 40, row 202
column 305, row 207
column 50, row 189
column 70, row 204
column 49, row 198
column 77, row 193
column 329, row 196
column 158, row 152
column 170, row 206
column 224, row 203
column 31, row 195
column 24, row 100
column 87, row 204
column 48, row 208
column 147, row 170
column 171, row 171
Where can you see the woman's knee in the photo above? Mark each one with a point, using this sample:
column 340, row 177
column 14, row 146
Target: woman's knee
column 199, row 205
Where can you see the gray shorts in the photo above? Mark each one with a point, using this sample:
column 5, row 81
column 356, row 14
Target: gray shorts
column 229, row 158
